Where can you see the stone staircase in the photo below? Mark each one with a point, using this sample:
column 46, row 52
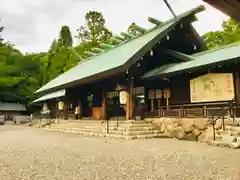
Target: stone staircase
column 125, row 130
column 230, row 137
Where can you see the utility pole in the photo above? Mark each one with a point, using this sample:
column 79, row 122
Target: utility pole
column 170, row 8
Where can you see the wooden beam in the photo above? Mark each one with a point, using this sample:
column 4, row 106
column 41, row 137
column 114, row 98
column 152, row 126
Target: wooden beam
column 130, row 99
column 65, row 110
column 104, row 104
column 237, row 87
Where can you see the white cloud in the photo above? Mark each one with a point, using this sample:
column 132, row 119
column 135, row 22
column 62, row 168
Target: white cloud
column 32, row 24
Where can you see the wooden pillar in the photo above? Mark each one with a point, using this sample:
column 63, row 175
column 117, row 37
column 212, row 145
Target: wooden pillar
column 237, row 87
column 65, row 110
column 104, row 104
column 237, row 93
column 130, row 100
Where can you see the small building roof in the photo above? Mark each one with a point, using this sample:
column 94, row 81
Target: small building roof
column 52, row 95
column 204, row 59
column 117, row 59
column 12, row 107
column 230, row 7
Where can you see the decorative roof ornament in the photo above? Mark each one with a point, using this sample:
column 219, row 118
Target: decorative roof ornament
column 97, row 50
column 154, row 21
column 88, row 53
column 106, row 46
column 139, row 28
column 120, row 38
column 127, row 35
column 117, row 40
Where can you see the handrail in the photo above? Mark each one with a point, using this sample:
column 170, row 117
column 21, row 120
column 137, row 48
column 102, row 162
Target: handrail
column 220, row 114
column 196, row 104
column 106, row 120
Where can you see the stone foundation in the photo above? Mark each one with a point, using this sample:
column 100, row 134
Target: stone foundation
column 187, row 129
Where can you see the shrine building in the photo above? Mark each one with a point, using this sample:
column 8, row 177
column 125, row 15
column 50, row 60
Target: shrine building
column 162, row 72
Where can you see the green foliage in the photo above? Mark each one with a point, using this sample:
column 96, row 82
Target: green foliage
column 229, row 34
column 17, row 72
column 21, row 75
column 65, row 37
column 94, row 31
column 132, row 29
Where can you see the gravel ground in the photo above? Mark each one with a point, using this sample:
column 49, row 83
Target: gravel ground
column 28, row 153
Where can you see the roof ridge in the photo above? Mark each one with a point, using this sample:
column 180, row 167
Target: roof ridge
column 216, row 49
column 201, row 7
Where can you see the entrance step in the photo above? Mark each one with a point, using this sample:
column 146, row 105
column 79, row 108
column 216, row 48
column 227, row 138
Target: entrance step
column 125, row 129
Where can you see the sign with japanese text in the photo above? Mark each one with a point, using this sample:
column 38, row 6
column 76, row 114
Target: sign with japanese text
column 166, row 93
column 212, row 87
column 158, row 93
column 151, row 94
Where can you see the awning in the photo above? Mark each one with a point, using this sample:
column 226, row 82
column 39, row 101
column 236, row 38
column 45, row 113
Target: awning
column 12, row 107
column 230, row 7
column 204, row 59
column 115, row 60
column 52, row 95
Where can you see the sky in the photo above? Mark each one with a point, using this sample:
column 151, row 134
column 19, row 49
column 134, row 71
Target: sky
column 31, row 25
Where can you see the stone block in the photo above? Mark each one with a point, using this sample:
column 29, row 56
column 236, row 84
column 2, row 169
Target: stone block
column 201, row 124
column 190, row 137
column 187, row 124
column 176, row 132
column 196, row 132
column 157, row 122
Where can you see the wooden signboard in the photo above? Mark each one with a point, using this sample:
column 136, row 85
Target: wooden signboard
column 158, row 94
column 166, row 93
column 151, row 94
column 212, row 87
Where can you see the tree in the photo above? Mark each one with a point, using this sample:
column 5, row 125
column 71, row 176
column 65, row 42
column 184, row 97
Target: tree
column 229, row 34
column 18, row 75
column 94, row 31
column 132, row 29
column 65, row 37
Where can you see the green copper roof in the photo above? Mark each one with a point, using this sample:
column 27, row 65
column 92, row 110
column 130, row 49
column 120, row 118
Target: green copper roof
column 200, row 60
column 52, row 95
column 117, row 59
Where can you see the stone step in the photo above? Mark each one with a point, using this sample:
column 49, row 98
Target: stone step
column 91, row 126
column 122, row 128
column 232, row 128
column 112, row 131
column 112, row 135
column 220, row 143
column 148, row 136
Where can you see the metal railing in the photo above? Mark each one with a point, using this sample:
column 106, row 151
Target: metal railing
column 103, row 121
column 221, row 114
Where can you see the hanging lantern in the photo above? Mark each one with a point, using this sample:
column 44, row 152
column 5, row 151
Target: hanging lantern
column 151, row 53
column 60, row 105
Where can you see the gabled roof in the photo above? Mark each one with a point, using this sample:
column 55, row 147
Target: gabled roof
column 51, row 95
column 204, row 59
column 12, row 107
column 118, row 59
